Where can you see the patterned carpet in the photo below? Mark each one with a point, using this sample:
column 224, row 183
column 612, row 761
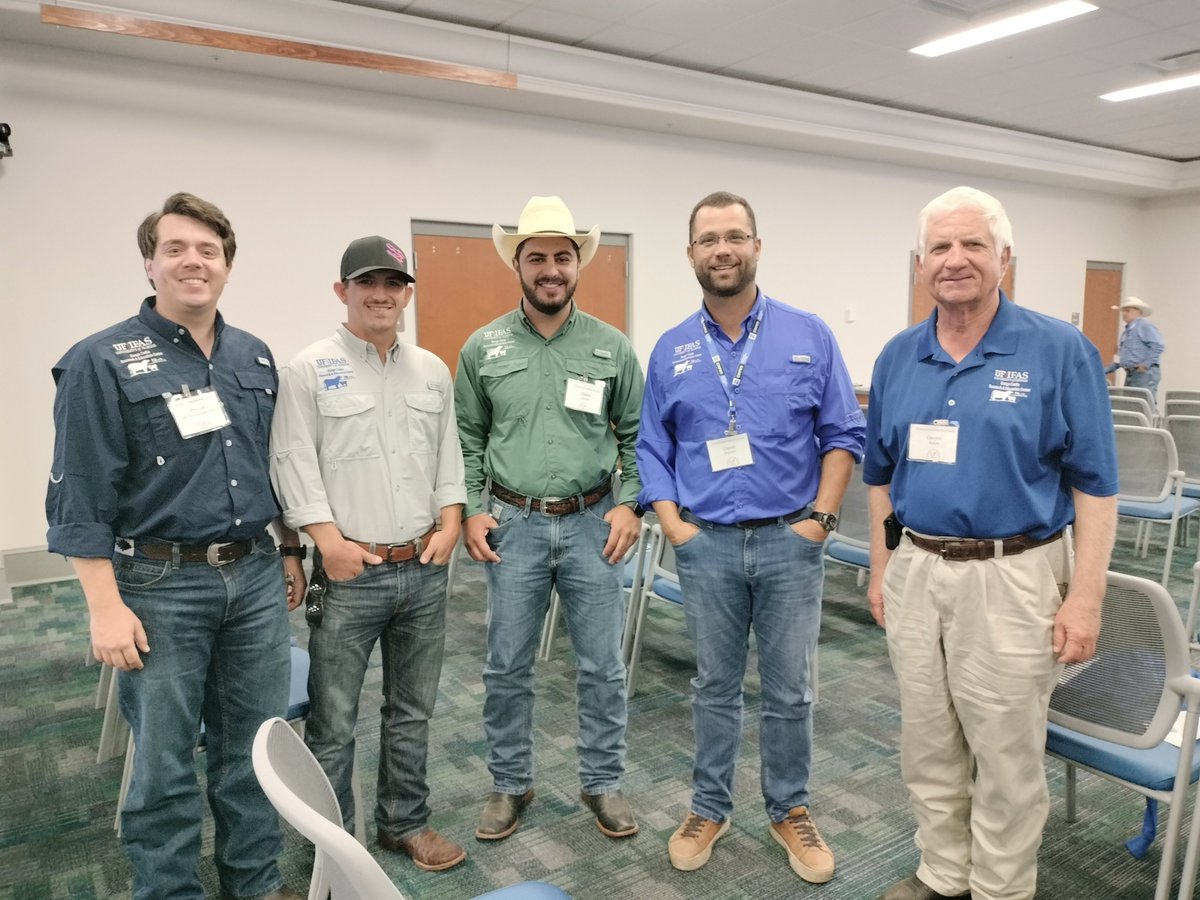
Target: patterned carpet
column 57, row 803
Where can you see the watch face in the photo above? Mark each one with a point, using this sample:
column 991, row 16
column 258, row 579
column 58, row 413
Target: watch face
column 828, row 521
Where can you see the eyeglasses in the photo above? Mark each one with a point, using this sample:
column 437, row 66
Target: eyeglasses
column 709, row 241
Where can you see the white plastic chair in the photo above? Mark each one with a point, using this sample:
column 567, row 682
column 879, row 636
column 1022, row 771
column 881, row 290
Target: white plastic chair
column 1129, row 417
column 1133, row 404
column 343, row 869
column 1150, row 486
column 1111, row 715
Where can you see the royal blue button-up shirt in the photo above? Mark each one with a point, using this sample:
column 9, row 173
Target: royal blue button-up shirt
column 121, row 467
column 796, row 402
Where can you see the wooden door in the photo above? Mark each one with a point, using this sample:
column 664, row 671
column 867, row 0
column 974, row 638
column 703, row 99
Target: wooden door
column 462, row 284
column 1101, row 292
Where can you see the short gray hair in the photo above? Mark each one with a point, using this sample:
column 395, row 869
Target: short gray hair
column 967, row 198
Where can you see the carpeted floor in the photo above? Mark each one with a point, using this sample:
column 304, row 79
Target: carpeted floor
column 57, row 803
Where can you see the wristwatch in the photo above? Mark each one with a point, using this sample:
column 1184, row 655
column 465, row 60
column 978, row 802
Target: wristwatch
column 828, row 521
column 638, row 509
column 300, row 551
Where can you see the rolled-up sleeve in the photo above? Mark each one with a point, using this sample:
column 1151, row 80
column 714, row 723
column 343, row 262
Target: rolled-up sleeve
column 295, row 469
column 449, row 486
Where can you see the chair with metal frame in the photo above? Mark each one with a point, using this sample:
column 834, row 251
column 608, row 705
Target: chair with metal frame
column 850, row 543
column 1112, row 714
column 1181, row 408
column 1129, row 417
column 1181, row 395
column 1133, row 404
column 343, row 869
column 1150, row 486
column 1123, row 390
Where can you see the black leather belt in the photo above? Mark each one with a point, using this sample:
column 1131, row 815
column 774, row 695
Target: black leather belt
column 555, row 506
column 960, row 549
column 787, row 520
column 216, row 554
column 398, row 553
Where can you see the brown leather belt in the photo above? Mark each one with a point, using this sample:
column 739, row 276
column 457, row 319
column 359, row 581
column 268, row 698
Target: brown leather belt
column 217, row 554
column 959, row 549
column 555, row 506
column 398, row 553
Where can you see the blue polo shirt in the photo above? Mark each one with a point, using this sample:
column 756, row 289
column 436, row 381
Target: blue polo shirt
column 121, row 467
column 796, row 402
column 1033, row 421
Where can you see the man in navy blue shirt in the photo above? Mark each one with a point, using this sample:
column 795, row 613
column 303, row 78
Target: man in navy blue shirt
column 750, row 429
column 988, row 433
column 160, row 496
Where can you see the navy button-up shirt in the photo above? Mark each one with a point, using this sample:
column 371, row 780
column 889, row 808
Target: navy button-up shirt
column 121, row 467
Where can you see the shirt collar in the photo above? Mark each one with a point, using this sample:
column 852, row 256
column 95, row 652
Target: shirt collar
column 153, row 319
column 364, row 350
column 524, row 320
column 755, row 310
column 1000, row 338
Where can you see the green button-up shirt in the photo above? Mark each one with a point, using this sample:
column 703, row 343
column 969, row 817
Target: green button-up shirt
column 514, row 425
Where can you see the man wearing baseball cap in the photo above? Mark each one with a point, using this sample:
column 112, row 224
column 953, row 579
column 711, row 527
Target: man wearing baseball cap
column 1140, row 347
column 365, row 458
column 548, row 401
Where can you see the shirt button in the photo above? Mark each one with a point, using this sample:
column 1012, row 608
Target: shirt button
column 175, row 341
column 237, row 521
column 210, row 365
column 233, row 482
column 160, row 461
column 949, row 402
column 229, row 443
column 183, row 331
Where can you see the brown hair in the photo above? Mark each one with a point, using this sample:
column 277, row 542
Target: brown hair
column 193, row 207
column 721, row 199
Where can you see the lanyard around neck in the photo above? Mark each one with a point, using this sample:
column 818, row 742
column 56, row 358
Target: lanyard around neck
column 715, row 355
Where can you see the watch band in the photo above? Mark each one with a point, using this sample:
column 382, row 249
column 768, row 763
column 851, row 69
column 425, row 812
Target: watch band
column 300, row 551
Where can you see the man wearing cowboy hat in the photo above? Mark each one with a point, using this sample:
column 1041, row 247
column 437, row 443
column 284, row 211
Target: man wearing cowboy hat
column 365, row 458
column 548, row 402
column 1141, row 347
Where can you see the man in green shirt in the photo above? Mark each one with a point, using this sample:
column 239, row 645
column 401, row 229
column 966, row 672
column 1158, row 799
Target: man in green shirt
column 548, row 399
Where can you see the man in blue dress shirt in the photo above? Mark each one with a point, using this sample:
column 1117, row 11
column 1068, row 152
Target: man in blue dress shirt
column 750, row 429
column 988, row 433
column 1141, row 347
column 159, row 494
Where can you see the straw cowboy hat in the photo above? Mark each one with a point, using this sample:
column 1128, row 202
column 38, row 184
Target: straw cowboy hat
column 545, row 217
column 1140, row 305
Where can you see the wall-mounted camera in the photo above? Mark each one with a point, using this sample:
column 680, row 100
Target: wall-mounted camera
column 5, row 133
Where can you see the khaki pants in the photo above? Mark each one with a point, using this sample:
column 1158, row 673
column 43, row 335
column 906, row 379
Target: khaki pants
column 970, row 644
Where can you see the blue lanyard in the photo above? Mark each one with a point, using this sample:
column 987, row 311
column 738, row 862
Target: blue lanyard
column 715, row 355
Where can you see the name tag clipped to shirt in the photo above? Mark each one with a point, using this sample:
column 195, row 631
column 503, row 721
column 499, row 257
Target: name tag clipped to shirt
column 585, row 396
column 197, row 412
column 729, row 452
column 935, row 443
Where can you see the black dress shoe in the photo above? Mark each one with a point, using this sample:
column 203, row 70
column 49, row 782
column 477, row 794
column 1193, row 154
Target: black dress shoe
column 501, row 815
column 614, row 817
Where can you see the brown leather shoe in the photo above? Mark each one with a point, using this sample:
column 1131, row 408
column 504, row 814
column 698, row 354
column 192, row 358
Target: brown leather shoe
column 614, row 817
column 913, row 888
column 808, row 854
column 428, row 849
column 501, row 815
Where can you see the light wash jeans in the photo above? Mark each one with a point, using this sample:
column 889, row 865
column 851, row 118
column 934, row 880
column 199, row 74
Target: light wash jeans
column 1148, row 379
column 538, row 553
column 402, row 605
column 219, row 649
column 732, row 579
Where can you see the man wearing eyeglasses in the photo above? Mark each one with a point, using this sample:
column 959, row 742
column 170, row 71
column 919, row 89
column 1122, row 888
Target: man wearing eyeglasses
column 750, row 429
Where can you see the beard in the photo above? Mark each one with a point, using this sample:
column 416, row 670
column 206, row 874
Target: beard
column 547, row 307
column 749, row 273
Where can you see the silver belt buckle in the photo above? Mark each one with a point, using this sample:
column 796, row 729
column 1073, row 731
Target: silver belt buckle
column 213, row 555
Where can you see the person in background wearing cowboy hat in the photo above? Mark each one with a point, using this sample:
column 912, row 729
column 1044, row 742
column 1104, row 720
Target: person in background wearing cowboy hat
column 1141, row 347
column 365, row 458
column 548, row 402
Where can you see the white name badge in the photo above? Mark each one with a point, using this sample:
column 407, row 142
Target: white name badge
column 933, row 443
column 198, row 412
column 729, row 452
column 585, row 396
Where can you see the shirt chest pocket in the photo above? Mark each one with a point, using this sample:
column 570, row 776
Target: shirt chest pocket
column 258, row 387
column 147, row 397
column 781, row 399
column 509, row 387
column 592, row 370
column 424, row 419
column 348, row 426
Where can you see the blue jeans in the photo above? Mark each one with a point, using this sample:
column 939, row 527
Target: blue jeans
column 538, row 553
column 733, row 578
column 219, row 649
column 1148, row 379
column 404, row 606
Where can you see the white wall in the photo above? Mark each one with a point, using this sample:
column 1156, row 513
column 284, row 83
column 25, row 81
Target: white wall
column 302, row 170
column 1168, row 283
